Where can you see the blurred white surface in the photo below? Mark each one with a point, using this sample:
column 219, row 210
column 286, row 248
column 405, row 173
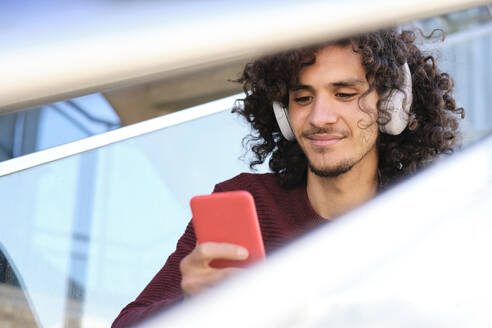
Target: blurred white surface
column 83, row 47
column 416, row 256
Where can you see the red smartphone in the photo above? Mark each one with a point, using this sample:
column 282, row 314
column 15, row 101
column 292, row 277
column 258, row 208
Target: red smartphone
column 228, row 217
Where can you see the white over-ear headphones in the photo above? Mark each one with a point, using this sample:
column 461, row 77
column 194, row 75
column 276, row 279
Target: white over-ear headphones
column 282, row 116
column 397, row 104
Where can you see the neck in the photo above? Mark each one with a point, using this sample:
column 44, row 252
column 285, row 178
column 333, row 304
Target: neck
column 332, row 196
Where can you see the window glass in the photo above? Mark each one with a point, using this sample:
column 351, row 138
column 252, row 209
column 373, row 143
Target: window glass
column 89, row 231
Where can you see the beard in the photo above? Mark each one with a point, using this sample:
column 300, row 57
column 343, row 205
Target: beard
column 331, row 172
column 340, row 168
column 324, row 172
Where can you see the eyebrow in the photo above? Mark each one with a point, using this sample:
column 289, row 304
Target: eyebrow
column 344, row 83
column 348, row 83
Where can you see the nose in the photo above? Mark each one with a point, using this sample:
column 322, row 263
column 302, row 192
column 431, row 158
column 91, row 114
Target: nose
column 323, row 112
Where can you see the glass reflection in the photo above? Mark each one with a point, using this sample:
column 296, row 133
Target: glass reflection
column 89, row 231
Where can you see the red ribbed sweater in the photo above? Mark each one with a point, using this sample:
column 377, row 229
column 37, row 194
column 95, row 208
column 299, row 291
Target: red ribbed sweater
column 283, row 215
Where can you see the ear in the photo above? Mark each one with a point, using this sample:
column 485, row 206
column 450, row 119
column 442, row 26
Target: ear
column 398, row 105
column 282, row 116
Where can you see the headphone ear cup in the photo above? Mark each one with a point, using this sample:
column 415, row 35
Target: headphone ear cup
column 398, row 105
column 281, row 114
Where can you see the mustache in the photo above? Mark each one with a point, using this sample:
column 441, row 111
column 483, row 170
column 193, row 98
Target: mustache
column 313, row 131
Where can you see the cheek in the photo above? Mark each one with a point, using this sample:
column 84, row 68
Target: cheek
column 365, row 127
column 372, row 103
column 295, row 119
column 366, row 115
column 369, row 135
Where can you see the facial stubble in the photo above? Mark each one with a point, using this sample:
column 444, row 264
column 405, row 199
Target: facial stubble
column 340, row 168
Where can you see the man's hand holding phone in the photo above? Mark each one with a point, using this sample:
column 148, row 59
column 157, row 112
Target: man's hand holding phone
column 197, row 274
column 228, row 236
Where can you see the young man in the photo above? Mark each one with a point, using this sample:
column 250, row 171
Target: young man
column 340, row 121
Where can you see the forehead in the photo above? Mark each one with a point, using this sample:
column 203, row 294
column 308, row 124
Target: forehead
column 334, row 63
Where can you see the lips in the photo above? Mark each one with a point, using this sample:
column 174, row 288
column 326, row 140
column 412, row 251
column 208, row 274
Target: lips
column 324, row 139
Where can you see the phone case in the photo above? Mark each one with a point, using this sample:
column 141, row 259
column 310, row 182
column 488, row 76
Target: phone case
column 228, row 217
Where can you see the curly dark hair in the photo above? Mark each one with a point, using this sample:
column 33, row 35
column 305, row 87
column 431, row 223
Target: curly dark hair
column 433, row 124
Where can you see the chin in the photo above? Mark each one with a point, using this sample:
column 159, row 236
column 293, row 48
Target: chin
column 330, row 172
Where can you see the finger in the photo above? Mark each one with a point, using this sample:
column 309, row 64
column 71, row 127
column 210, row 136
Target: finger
column 216, row 276
column 205, row 278
column 192, row 284
column 206, row 252
column 227, row 272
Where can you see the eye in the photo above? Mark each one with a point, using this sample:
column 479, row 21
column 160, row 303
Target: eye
column 303, row 100
column 345, row 95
